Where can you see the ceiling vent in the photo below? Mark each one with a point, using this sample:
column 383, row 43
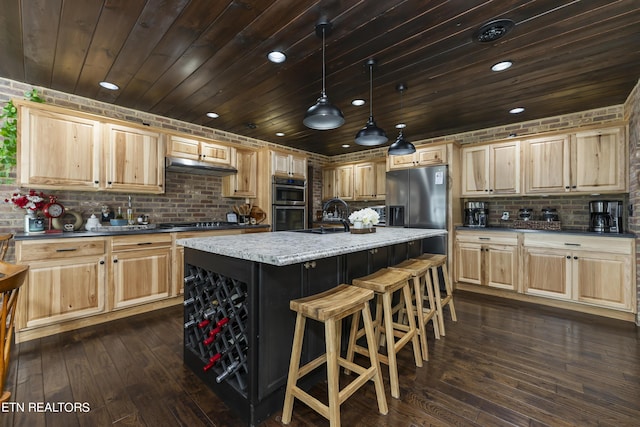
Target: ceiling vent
column 492, row 31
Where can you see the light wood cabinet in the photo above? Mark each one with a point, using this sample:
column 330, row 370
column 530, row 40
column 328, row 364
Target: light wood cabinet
column 329, row 190
column 134, row 160
column 344, row 182
column 141, row 268
column 578, row 268
column 243, row 184
column 289, row 165
column 66, row 280
column 488, row 259
column 63, row 149
column 492, row 169
column 199, row 149
column 369, row 180
column 424, row 156
column 588, row 161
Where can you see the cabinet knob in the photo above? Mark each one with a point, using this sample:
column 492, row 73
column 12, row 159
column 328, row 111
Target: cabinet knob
column 309, row 265
column 568, row 256
column 109, row 182
column 115, row 261
column 101, row 262
column 567, row 187
column 96, row 182
column 575, row 257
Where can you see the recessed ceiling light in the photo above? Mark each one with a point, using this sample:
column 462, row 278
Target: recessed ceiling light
column 516, row 110
column 110, row 86
column 213, row 115
column 345, row 146
column 279, row 133
column 358, row 102
column 501, row 66
column 401, row 126
column 277, row 56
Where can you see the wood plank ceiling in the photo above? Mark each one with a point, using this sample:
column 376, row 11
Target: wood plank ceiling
column 182, row 59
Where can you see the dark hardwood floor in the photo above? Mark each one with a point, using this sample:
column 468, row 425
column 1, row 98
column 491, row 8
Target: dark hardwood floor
column 504, row 363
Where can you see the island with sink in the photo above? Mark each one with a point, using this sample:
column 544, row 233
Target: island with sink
column 238, row 325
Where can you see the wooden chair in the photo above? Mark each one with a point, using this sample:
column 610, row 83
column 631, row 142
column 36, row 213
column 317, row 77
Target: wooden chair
column 330, row 307
column 4, row 244
column 12, row 277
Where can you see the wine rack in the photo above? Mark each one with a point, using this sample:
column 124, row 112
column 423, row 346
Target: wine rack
column 215, row 325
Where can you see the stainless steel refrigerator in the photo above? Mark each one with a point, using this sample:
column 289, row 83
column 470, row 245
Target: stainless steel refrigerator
column 418, row 198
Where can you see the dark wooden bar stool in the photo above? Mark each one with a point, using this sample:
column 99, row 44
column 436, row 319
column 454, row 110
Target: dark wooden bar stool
column 440, row 261
column 423, row 299
column 385, row 283
column 331, row 307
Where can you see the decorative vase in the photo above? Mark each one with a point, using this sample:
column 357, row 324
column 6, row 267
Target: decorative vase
column 33, row 224
column 357, row 225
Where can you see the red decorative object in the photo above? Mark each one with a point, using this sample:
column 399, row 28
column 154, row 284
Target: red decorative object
column 33, row 200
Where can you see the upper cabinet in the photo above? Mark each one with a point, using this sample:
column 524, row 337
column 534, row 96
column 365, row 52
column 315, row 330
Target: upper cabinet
column 289, row 165
column 199, row 149
column 369, row 180
column 61, row 149
column 431, row 155
column 344, row 182
column 491, row 169
column 243, row 184
column 588, row 161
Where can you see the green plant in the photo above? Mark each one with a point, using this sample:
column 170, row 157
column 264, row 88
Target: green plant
column 9, row 134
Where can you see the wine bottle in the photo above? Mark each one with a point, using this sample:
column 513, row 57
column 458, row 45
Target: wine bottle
column 189, row 301
column 230, row 370
column 190, row 323
column 216, row 331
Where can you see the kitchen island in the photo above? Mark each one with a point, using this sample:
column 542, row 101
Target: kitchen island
column 238, row 325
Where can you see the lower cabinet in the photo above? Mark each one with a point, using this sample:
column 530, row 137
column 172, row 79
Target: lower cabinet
column 578, row 271
column 487, row 259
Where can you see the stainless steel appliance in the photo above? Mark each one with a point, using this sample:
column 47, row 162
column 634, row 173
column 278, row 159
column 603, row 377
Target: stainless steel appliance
column 289, row 192
column 289, row 204
column 476, row 214
column 418, row 198
column 382, row 213
column 605, row 216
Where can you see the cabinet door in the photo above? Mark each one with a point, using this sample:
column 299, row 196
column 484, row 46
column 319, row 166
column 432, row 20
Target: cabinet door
column 431, row 156
column 603, row 279
column 469, row 263
column 61, row 290
column 215, row 153
column 135, row 160
column 381, row 180
column 59, row 151
column 401, row 162
column 364, row 181
column 140, row 276
column 298, row 167
column 184, row 147
column 547, row 167
column 329, row 184
column 501, row 266
column 344, row 182
column 475, row 171
column 547, row 272
column 504, row 167
column 598, row 160
column 279, row 163
column 244, row 183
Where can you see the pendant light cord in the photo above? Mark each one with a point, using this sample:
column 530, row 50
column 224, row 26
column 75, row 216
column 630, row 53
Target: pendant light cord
column 370, row 90
column 323, row 66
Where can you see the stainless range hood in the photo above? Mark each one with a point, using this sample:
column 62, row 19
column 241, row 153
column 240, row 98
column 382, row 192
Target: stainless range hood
column 176, row 164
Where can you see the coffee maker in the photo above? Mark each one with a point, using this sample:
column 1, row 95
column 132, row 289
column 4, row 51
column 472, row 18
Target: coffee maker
column 605, row 216
column 476, row 214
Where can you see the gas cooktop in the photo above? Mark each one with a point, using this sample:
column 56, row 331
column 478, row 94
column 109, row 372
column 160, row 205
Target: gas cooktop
column 200, row 225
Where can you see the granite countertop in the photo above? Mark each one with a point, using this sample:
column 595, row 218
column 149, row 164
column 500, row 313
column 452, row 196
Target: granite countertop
column 112, row 232
column 290, row 247
column 563, row 231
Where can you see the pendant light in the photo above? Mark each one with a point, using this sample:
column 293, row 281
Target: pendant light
column 323, row 115
column 371, row 134
column 401, row 146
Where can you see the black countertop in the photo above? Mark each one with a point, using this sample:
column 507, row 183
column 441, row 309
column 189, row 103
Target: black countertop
column 563, row 231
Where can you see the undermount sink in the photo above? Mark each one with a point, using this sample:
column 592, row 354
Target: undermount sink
column 322, row 230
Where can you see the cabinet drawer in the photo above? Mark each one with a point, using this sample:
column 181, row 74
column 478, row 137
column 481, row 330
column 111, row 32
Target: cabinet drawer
column 140, row 241
column 495, row 237
column 55, row 249
column 616, row 245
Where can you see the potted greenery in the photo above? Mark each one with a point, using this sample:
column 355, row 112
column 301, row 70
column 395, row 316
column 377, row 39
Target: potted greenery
column 9, row 134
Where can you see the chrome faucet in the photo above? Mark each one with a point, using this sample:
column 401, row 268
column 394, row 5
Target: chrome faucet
column 343, row 219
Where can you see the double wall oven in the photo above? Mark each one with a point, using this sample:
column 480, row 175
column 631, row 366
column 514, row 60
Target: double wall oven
column 289, row 207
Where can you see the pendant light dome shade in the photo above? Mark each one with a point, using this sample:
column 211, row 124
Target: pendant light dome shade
column 323, row 115
column 401, row 146
column 371, row 134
